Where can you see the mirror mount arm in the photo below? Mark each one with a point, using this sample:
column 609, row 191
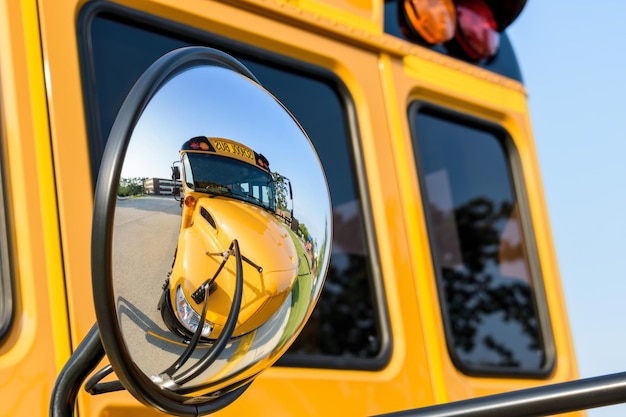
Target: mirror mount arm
column 80, row 364
column 199, row 295
column 229, row 326
column 252, row 264
column 193, row 343
column 95, row 387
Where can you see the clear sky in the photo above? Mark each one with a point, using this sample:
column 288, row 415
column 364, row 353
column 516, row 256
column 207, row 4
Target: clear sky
column 572, row 59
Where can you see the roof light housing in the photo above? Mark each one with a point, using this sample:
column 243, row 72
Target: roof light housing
column 467, row 29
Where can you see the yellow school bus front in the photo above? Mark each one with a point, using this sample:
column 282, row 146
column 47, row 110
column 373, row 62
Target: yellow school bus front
column 443, row 282
column 229, row 195
column 269, row 268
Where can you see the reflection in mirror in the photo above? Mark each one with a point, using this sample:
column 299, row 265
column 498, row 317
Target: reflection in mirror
column 221, row 234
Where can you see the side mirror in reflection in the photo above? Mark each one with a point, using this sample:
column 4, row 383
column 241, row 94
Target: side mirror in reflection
column 194, row 300
column 175, row 172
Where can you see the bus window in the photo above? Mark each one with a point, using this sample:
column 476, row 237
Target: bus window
column 6, row 287
column 189, row 180
column 231, row 177
column 346, row 328
column 481, row 253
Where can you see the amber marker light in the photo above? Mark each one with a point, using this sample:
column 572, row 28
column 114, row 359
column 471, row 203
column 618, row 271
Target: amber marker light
column 432, row 20
column 190, row 201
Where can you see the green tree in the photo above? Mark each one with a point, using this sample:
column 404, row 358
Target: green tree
column 304, row 232
column 130, row 187
column 281, row 185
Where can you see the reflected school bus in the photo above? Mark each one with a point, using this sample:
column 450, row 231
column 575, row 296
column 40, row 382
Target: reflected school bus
column 228, row 193
column 442, row 282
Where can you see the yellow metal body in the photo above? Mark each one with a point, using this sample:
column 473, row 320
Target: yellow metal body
column 260, row 235
column 47, row 177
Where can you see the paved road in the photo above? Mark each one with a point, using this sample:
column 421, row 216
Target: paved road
column 144, row 239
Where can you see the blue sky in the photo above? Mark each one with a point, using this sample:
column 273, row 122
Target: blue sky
column 574, row 67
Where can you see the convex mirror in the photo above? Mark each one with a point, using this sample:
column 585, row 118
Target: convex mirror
column 211, row 233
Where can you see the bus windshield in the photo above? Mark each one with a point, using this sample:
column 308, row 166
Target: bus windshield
column 220, row 175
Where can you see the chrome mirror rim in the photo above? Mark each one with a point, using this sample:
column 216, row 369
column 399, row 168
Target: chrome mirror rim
column 132, row 378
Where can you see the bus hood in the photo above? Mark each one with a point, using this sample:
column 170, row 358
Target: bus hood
column 266, row 246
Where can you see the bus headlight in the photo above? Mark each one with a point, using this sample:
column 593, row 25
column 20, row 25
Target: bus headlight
column 188, row 316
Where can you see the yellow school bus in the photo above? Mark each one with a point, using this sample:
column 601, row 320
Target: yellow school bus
column 228, row 194
column 431, row 281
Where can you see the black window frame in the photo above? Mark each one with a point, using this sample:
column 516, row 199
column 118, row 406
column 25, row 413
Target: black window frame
column 514, row 165
column 174, row 29
column 7, row 288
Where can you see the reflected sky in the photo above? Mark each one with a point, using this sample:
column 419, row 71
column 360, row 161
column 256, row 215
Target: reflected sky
column 207, row 101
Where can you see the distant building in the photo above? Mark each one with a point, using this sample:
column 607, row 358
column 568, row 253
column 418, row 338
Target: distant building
column 295, row 224
column 161, row 186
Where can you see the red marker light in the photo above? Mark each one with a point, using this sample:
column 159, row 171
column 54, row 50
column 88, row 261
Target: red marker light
column 432, row 20
column 477, row 33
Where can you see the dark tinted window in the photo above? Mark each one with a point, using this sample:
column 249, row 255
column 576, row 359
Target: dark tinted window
column 6, row 284
column 480, row 251
column 345, row 323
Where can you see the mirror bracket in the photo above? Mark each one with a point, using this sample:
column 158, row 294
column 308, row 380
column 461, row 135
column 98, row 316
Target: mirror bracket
column 80, row 364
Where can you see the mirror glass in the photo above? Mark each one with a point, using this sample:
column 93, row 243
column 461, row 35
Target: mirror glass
column 222, row 202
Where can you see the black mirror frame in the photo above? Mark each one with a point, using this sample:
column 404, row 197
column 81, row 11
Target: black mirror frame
column 131, row 377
